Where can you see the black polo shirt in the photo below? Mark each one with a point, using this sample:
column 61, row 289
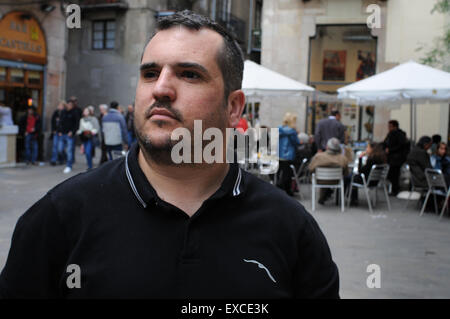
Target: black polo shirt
column 248, row 240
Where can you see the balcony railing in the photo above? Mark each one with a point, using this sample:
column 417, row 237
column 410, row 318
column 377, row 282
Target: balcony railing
column 235, row 25
column 102, row 4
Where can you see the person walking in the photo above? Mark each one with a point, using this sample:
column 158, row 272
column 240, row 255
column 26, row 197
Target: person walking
column 69, row 126
column 396, row 147
column 87, row 131
column 103, row 111
column 56, row 123
column 114, row 130
column 288, row 143
column 30, row 127
column 328, row 128
column 129, row 119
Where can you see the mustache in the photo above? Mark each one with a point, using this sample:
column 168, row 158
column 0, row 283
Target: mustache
column 164, row 105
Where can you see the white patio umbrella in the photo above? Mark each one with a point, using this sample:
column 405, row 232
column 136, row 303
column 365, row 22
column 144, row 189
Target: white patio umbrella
column 409, row 81
column 260, row 81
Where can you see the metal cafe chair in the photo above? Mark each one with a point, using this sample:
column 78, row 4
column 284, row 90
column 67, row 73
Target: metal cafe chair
column 376, row 179
column 436, row 186
column 334, row 176
column 299, row 174
column 414, row 188
column 445, row 204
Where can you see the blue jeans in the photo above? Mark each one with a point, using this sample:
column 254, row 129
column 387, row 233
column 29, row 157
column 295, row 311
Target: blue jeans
column 131, row 138
column 88, row 152
column 65, row 141
column 31, row 148
column 110, row 148
column 56, row 155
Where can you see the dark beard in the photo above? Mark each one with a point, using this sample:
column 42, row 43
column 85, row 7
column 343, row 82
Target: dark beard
column 160, row 154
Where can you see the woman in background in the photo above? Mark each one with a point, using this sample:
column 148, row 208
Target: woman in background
column 288, row 143
column 87, row 131
column 441, row 160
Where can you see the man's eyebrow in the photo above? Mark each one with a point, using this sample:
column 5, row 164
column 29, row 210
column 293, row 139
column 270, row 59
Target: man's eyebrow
column 149, row 65
column 192, row 65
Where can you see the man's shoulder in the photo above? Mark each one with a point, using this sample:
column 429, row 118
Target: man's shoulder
column 90, row 185
column 271, row 202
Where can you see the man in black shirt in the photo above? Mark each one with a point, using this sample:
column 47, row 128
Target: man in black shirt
column 145, row 227
column 397, row 149
column 69, row 123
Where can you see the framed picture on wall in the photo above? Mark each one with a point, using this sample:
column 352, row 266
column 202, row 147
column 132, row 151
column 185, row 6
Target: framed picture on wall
column 366, row 66
column 334, row 65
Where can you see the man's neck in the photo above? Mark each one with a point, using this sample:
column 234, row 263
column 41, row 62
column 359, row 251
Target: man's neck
column 183, row 186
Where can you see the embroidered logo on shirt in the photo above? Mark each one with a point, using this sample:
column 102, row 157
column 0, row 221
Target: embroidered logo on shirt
column 262, row 267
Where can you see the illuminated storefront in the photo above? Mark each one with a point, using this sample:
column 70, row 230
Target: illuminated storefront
column 23, row 56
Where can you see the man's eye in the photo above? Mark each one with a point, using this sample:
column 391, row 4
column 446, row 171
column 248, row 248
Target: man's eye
column 190, row 75
column 149, row 74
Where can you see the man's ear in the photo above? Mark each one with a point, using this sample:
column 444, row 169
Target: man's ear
column 236, row 104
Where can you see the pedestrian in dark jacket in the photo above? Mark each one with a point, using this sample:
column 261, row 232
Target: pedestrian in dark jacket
column 328, row 128
column 129, row 120
column 30, row 128
column 419, row 160
column 67, row 130
column 56, row 126
column 396, row 146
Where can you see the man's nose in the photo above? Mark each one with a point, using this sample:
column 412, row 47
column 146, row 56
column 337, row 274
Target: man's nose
column 164, row 88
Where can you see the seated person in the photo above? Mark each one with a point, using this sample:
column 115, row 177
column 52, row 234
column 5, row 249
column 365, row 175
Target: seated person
column 441, row 160
column 419, row 160
column 373, row 155
column 332, row 157
column 303, row 150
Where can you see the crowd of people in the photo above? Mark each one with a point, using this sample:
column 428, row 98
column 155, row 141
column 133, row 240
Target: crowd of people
column 327, row 148
column 111, row 131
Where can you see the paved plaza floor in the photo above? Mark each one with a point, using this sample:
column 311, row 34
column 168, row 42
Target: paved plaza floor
column 413, row 252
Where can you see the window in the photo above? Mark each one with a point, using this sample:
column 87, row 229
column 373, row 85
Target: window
column 17, row 75
column 34, row 77
column 103, row 34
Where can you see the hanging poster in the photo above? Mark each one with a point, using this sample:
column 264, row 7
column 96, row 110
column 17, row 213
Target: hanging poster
column 334, row 65
column 366, row 66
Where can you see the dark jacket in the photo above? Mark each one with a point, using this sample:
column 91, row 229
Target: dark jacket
column 418, row 160
column 56, row 120
column 129, row 119
column 365, row 169
column 69, row 122
column 398, row 146
column 326, row 129
column 23, row 125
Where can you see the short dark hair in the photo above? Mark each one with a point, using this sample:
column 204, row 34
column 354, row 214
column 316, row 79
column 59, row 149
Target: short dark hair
column 113, row 105
column 394, row 123
column 436, row 138
column 230, row 58
column 334, row 112
column 424, row 140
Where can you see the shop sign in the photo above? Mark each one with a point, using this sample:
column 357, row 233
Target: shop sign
column 22, row 39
